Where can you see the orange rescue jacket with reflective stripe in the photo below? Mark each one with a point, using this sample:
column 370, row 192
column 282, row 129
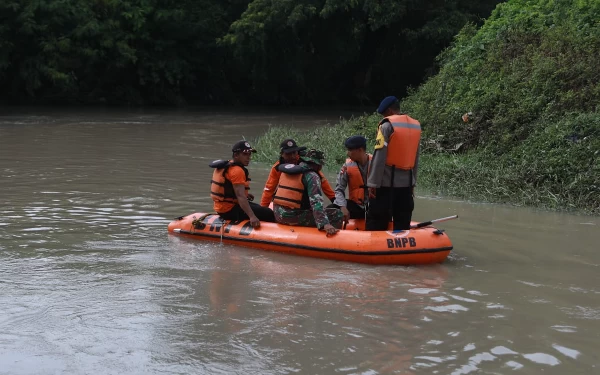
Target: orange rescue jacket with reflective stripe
column 356, row 185
column 221, row 189
column 404, row 141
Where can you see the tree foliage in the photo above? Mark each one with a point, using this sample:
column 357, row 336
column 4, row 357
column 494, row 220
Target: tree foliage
column 213, row 51
column 531, row 59
column 311, row 51
column 111, row 50
column 528, row 83
column 513, row 114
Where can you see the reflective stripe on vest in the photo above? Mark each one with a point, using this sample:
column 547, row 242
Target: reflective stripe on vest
column 289, row 191
column 221, row 189
column 404, row 142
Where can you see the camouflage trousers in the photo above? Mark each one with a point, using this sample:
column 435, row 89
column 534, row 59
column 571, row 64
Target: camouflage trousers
column 306, row 218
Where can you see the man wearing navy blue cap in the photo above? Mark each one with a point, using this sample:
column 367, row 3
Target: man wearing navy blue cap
column 393, row 171
column 386, row 103
column 354, row 176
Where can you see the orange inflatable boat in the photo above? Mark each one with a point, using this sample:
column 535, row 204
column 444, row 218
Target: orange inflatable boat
column 422, row 245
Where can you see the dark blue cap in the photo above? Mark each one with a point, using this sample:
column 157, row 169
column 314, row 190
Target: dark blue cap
column 386, row 103
column 356, row 141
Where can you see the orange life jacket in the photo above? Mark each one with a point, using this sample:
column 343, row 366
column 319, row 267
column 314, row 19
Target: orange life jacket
column 404, row 141
column 326, row 187
column 357, row 187
column 270, row 185
column 221, row 189
column 291, row 192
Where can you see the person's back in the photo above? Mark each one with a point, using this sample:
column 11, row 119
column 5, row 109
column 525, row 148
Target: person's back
column 289, row 154
column 394, row 167
column 299, row 197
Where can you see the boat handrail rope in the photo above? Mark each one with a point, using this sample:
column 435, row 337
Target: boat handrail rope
column 197, row 222
column 223, row 224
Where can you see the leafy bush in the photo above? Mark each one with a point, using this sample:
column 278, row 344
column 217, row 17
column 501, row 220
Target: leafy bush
column 328, row 138
column 530, row 59
column 513, row 114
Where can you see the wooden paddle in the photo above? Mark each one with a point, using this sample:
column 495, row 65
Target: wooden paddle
column 427, row 223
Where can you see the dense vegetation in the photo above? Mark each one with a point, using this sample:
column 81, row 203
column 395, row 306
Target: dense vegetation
column 529, row 85
column 223, row 52
column 509, row 110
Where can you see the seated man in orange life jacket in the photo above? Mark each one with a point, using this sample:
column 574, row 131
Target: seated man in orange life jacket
column 230, row 187
column 299, row 197
column 289, row 154
column 354, row 176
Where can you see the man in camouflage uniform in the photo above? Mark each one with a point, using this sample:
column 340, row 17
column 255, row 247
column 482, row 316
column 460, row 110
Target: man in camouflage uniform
column 328, row 219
